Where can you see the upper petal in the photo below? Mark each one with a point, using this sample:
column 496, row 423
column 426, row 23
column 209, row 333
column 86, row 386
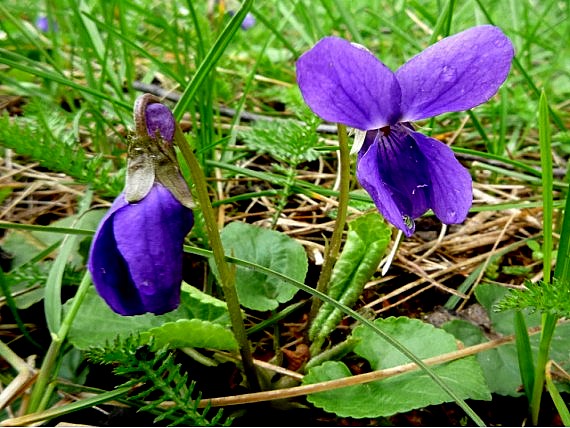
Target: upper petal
column 450, row 189
column 109, row 270
column 457, row 73
column 149, row 236
column 344, row 83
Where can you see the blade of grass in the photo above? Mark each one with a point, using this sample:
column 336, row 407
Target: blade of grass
column 18, row 62
column 547, row 184
column 556, row 397
column 30, row 37
column 66, row 409
column 52, row 300
column 214, row 54
column 14, row 309
column 559, row 123
column 524, row 354
column 278, row 34
column 548, row 320
column 140, row 50
column 348, row 20
column 443, row 23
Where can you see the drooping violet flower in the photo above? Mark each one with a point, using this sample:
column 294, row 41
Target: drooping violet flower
column 405, row 172
column 136, row 254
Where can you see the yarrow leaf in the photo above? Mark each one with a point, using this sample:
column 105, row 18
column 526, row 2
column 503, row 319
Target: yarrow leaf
column 284, row 140
column 43, row 136
column 550, row 298
column 155, row 377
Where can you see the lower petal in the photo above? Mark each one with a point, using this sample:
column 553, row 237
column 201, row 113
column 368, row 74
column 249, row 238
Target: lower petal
column 450, row 192
column 373, row 178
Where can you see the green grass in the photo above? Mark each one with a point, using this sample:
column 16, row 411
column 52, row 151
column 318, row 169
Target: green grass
column 76, row 84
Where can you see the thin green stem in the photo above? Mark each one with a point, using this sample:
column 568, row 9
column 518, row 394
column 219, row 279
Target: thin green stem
column 336, row 238
column 227, row 277
column 39, row 394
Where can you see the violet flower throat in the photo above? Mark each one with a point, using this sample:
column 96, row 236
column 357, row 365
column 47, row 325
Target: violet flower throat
column 405, row 172
column 136, row 254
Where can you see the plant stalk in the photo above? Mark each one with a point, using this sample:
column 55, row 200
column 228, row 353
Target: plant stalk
column 227, row 277
column 333, row 248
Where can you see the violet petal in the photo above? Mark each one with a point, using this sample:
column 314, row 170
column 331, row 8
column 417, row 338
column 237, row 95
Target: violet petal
column 108, row 268
column 344, row 83
column 450, row 190
column 149, row 236
column 136, row 255
column 159, row 118
column 393, row 170
column 455, row 74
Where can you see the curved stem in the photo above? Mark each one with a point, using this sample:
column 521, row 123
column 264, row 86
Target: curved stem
column 336, row 239
column 227, row 277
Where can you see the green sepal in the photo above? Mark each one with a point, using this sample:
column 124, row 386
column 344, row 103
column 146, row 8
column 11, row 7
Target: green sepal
column 150, row 160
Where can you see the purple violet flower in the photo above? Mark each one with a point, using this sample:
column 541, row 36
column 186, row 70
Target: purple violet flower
column 405, row 172
column 43, row 24
column 248, row 21
column 136, row 254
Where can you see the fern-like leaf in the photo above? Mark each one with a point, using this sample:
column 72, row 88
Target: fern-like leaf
column 550, row 298
column 155, row 377
column 45, row 137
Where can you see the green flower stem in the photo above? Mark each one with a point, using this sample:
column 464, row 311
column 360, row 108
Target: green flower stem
column 336, row 239
column 227, row 277
column 42, row 389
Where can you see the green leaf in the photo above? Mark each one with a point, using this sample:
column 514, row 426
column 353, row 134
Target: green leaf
column 404, row 392
column 500, row 365
column 203, row 306
column 489, row 295
column 269, row 249
column 96, row 324
column 368, row 237
column 543, row 297
column 192, row 333
column 284, row 140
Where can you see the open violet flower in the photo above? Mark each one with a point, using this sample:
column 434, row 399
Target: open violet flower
column 405, row 172
column 136, row 254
